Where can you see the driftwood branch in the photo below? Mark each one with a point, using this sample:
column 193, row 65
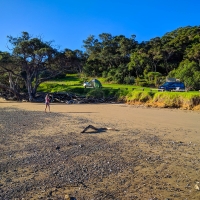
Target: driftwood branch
column 2, row 86
column 61, row 97
column 97, row 129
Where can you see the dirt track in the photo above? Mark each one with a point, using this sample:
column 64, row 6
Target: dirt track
column 152, row 154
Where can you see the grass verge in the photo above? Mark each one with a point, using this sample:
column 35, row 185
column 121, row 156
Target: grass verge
column 127, row 93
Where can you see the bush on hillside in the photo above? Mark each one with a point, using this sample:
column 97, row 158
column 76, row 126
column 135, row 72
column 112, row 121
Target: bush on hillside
column 95, row 93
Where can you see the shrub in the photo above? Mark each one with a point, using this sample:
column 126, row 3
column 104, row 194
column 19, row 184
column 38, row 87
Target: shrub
column 175, row 100
column 121, row 94
column 188, row 72
column 143, row 84
column 141, row 96
column 104, row 74
column 95, row 93
column 146, row 96
column 129, row 80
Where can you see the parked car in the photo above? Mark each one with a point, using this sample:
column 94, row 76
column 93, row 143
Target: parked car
column 87, row 84
column 168, row 86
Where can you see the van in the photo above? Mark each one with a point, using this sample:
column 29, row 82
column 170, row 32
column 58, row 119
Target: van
column 168, row 86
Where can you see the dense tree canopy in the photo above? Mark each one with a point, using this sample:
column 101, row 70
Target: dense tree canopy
column 117, row 58
column 34, row 61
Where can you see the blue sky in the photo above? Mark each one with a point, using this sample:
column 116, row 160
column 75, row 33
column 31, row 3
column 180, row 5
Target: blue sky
column 69, row 22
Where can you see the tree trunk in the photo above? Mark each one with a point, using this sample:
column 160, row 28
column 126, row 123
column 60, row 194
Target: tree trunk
column 34, row 90
column 10, row 80
column 29, row 88
column 11, row 90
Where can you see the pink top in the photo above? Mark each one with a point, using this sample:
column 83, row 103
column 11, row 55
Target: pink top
column 47, row 100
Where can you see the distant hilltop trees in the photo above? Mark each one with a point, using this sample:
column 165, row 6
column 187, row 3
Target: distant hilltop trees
column 116, row 58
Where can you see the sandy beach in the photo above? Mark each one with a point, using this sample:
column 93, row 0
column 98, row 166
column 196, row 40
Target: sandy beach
column 138, row 152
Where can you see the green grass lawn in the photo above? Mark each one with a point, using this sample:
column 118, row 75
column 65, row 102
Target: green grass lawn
column 129, row 93
column 74, row 83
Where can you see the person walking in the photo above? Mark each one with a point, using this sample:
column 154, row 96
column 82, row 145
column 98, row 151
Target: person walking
column 47, row 102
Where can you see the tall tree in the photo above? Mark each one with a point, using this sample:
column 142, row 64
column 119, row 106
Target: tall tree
column 75, row 59
column 137, row 62
column 36, row 60
column 154, row 52
column 193, row 53
column 108, row 52
column 9, row 73
column 188, row 72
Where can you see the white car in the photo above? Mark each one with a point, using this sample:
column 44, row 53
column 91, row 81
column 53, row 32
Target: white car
column 87, row 84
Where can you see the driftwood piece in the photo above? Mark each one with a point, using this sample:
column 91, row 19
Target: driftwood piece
column 7, row 90
column 65, row 97
column 97, row 129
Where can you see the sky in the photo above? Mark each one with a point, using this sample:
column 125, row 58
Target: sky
column 69, row 22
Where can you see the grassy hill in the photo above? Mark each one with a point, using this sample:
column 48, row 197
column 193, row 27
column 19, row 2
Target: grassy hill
column 131, row 94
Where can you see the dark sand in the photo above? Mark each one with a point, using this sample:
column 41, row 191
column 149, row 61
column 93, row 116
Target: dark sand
column 153, row 153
